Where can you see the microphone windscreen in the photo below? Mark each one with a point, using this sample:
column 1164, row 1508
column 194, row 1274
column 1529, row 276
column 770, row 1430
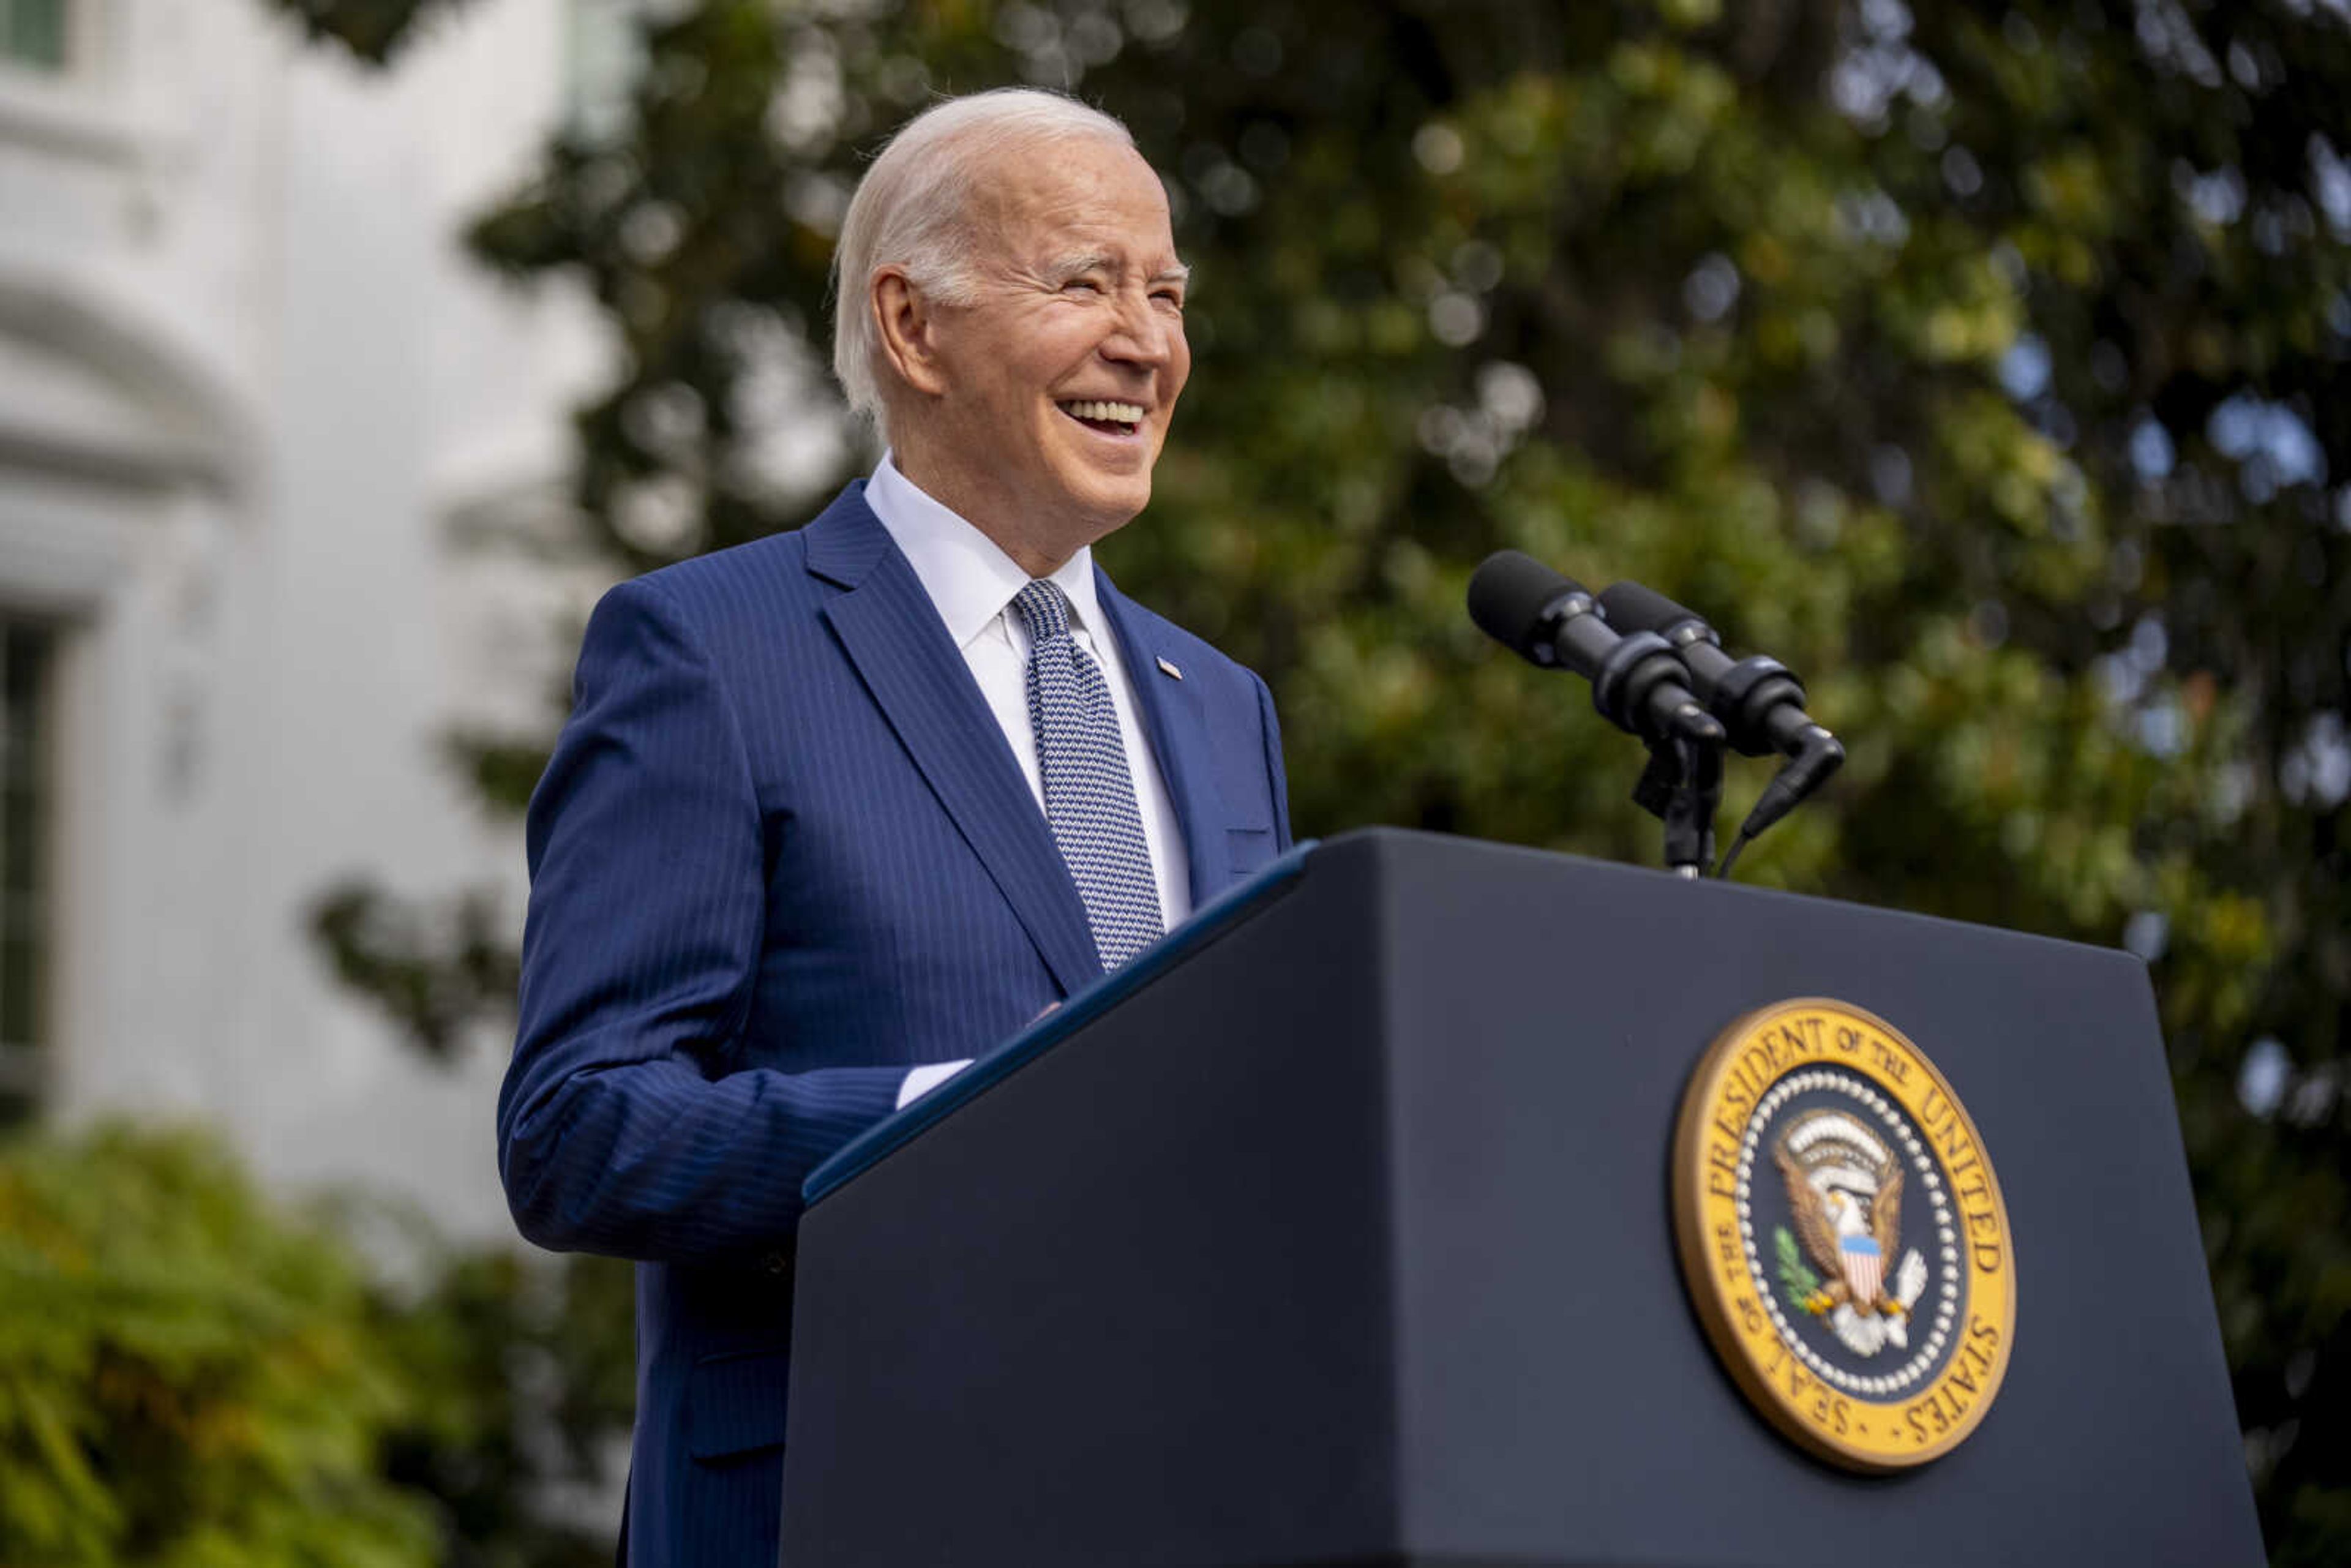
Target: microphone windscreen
column 1508, row 595
column 1631, row 607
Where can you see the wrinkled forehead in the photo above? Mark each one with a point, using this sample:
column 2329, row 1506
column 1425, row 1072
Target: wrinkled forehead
column 1072, row 196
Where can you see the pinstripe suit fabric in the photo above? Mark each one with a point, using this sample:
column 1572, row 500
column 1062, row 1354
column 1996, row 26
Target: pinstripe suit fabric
column 783, row 853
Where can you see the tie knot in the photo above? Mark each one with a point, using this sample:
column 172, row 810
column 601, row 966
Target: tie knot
column 1043, row 608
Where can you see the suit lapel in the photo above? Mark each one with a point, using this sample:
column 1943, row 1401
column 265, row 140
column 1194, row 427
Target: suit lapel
column 891, row 631
column 1179, row 739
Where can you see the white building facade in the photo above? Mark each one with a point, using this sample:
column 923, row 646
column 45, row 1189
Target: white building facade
column 247, row 382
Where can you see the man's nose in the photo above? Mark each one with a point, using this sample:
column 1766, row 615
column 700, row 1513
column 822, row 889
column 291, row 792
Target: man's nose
column 1146, row 335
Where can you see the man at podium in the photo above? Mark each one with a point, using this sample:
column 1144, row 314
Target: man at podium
column 839, row 808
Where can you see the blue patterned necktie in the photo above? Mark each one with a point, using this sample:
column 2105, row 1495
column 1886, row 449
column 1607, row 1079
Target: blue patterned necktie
column 1088, row 794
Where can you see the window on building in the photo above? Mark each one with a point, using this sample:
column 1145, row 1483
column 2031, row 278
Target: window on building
column 34, row 33
column 25, row 804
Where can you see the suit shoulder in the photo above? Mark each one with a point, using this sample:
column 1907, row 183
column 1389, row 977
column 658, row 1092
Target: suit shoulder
column 776, row 582
column 746, row 601
column 755, row 578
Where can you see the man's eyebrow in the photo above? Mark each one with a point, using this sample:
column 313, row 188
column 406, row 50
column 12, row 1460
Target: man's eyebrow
column 1077, row 264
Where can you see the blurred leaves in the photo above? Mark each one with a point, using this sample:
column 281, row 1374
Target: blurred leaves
column 373, row 30
column 185, row 1378
column 523, row 1378
column 193, row 1376
column 434, row 968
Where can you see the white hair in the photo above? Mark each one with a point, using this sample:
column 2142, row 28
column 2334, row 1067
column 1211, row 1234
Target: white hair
column 913, row 210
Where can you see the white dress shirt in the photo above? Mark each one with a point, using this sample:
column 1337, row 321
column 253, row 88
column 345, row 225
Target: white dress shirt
column 971, row 583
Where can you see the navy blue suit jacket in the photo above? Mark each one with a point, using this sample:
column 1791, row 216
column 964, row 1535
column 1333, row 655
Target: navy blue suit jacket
column 783, row 853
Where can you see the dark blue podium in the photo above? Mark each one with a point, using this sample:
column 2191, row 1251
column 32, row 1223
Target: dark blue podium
column 1337, row 1232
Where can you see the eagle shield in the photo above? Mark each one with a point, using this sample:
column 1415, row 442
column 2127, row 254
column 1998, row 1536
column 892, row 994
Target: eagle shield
column 1844, row 1191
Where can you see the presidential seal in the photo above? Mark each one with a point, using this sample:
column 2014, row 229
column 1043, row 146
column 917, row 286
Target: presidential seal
column 1842, row 1235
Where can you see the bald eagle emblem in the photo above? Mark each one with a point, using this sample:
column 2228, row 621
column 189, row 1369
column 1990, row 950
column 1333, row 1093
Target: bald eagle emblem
column 1844, row 1189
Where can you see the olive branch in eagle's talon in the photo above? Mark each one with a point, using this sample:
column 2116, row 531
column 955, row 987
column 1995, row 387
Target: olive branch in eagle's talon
column 1797, row 1283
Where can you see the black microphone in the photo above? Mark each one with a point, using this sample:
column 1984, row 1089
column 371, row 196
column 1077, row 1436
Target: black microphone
column 1552, row 621
column 1759, row 701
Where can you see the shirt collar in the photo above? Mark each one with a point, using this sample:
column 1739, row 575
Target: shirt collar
column 969, row 578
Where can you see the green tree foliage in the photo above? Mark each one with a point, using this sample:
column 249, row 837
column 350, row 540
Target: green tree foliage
column 194, row 1378
column 1985, row 362
column 433, row 969
column 187, row 1378
column 373, row 30
column 523, row 1380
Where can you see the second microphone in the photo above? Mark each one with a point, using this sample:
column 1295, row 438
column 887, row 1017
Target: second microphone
column 1638, row 683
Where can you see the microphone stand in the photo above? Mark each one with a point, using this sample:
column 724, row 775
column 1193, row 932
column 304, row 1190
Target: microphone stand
column 1682, row 787
column 1553, row 622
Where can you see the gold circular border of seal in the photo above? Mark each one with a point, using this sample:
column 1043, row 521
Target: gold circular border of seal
column 1849, row 1430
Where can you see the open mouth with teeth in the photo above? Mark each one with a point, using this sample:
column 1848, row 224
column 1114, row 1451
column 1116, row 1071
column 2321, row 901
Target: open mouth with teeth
column 1110, row 418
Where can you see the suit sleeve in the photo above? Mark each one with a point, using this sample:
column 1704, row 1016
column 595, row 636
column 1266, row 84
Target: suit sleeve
column 627, row 1123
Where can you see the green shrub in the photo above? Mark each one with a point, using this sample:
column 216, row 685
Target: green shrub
column 188, row 1376
column 192, row 1375
column 524, row 1378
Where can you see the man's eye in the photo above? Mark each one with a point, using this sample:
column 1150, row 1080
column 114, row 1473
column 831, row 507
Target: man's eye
column 1085, row 285
column 1170, row 298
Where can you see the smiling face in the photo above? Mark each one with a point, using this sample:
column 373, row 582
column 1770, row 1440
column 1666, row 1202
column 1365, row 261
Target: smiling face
column 1037, row 409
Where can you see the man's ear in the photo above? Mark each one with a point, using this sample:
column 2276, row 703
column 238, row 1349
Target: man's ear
column 907, row 326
